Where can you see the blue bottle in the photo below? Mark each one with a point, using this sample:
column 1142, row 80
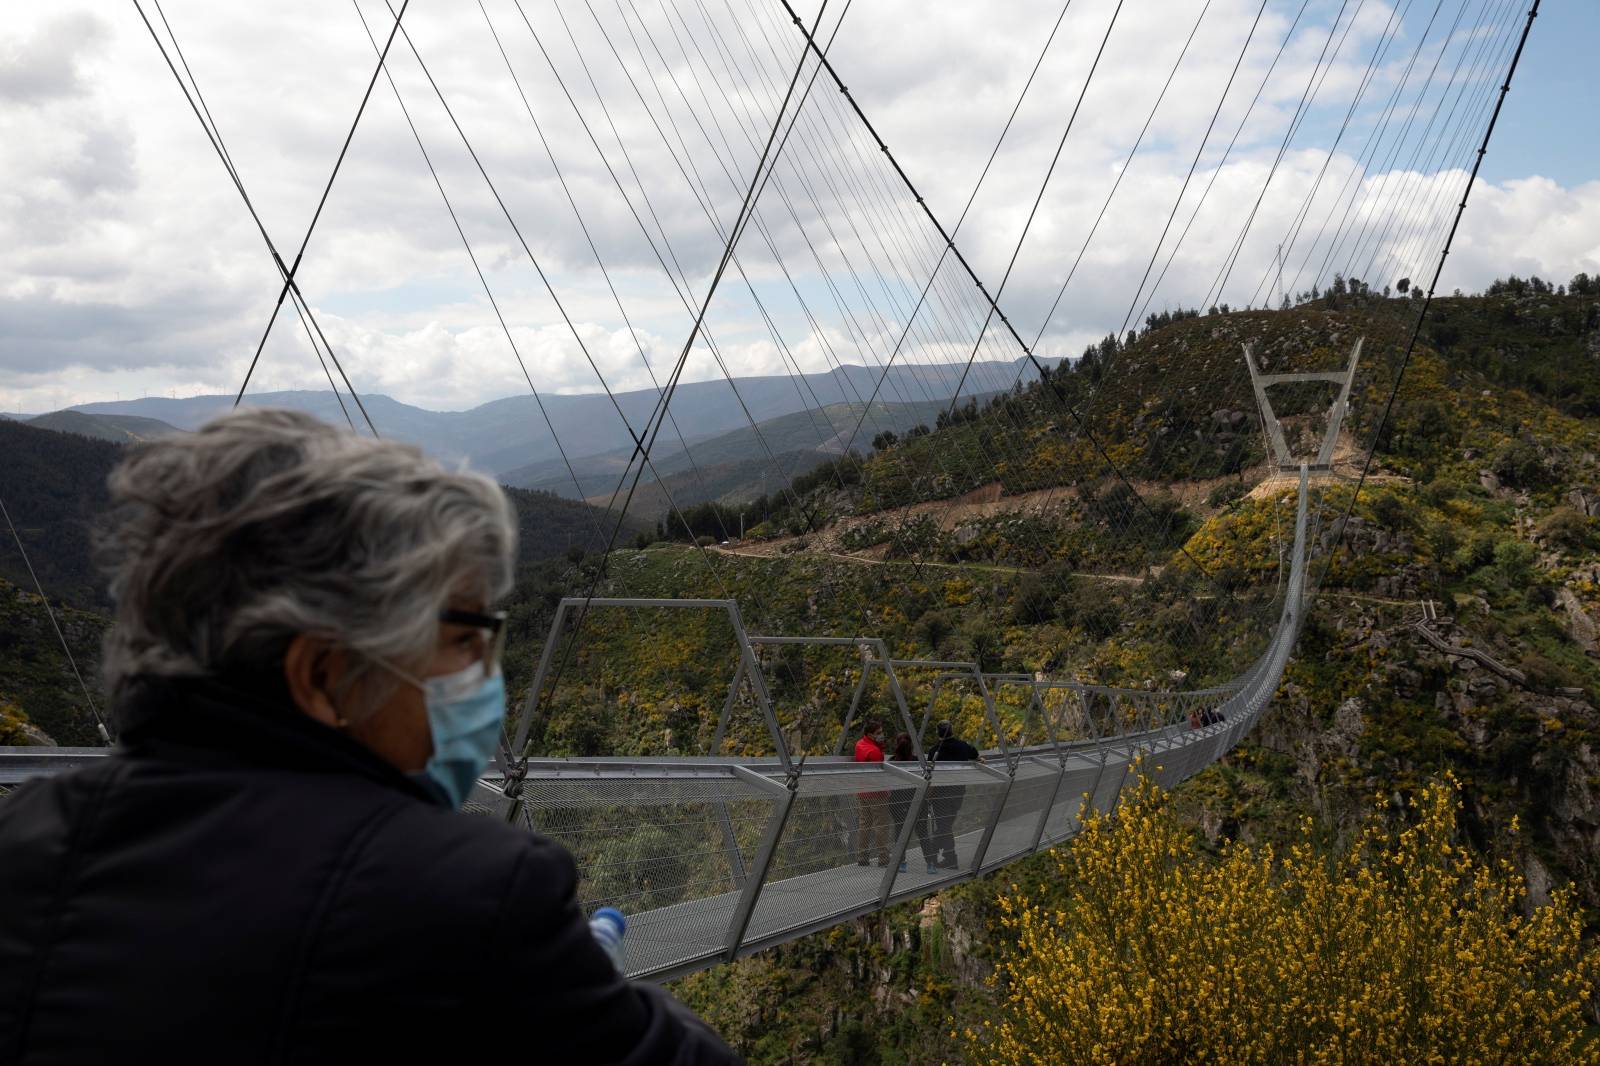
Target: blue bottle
column 608, row 926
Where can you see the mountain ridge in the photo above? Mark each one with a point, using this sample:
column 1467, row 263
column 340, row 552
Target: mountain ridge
column 510, row 432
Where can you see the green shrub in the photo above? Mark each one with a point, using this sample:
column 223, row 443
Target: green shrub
column 12, row 721
column 1513, row 563
column 1520, row 464
column 1568, row 528
column 1224, row 494
column 1391, row 511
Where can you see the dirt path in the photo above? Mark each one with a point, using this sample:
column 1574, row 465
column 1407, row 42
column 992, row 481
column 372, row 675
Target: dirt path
column 867, row 560
column 1364, row 598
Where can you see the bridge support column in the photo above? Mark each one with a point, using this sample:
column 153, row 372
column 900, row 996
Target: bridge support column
column 1280, row 449
column 746, row 906
column 912, row 814
column 999, row 809
column 1050, row 804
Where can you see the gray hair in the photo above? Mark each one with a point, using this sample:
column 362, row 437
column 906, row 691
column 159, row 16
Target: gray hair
column 227, row 543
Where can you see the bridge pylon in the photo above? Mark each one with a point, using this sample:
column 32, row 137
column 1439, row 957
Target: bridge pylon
column 1260, row 382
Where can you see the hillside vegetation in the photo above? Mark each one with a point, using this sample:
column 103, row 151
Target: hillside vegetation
column 1454, row 634
column 54, row 485
column 40, row 699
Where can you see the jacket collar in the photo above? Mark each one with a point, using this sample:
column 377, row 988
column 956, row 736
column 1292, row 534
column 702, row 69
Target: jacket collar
column 234, row 722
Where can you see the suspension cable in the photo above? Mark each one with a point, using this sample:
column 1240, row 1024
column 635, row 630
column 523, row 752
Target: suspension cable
column 1422, row 313
column 758, row 182
column 238, row 184
column 99, row 720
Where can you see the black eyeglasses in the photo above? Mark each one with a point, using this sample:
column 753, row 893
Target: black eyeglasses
column 494, row 625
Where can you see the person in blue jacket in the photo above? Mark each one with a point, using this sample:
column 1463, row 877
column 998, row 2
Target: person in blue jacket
column 272, row 866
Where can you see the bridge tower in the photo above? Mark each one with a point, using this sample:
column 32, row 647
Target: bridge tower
column 1261, row 382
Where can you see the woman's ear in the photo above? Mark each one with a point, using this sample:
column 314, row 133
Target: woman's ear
column 313, row 669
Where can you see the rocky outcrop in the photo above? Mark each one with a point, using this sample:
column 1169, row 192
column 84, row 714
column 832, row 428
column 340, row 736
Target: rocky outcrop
column 1579, row 625
column 1584, row 501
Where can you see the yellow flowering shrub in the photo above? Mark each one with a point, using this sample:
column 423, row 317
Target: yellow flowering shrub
column 1399, row 947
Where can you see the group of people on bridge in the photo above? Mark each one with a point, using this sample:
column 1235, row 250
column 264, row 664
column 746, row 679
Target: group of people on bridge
column 877, row 810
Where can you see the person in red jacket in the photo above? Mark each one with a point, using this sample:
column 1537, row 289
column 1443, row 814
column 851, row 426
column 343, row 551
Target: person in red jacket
column 873, row 820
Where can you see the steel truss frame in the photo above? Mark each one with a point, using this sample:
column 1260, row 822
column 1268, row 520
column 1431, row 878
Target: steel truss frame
column 1260, row 382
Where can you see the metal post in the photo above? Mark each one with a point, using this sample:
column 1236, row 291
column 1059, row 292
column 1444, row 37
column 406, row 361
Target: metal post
column 988, row 707
column 746, row 906
column 1094, row 789
column 726, row 716
column 1044, row 716
column 855, row 705
column 758, row 684
column 1050, row 804
column 999, row 809
column 899, row 697
column 1127, row 768
column 903, row 841
column 531, row 707
column 933, row 700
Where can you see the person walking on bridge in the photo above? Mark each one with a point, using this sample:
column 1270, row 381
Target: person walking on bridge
column 272, row 866
column 946, row 800
column 900, row 805
column 872, row 806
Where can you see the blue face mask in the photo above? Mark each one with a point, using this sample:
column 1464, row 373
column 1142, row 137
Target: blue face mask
column 466, row 711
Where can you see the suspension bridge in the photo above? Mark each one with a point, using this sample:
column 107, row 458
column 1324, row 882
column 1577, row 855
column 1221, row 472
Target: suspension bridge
column 826, row 251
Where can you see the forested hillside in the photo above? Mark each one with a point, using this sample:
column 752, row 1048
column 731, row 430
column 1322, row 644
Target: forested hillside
column 40, row 698
column 54, row 487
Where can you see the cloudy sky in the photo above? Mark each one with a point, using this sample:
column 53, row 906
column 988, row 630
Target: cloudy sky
column 623, row 133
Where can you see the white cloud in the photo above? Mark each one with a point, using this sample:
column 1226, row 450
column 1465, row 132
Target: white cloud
column 132, row 265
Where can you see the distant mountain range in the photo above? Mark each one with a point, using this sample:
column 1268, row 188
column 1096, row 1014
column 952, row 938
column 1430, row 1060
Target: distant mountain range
column 511, row 439
column 735, row 466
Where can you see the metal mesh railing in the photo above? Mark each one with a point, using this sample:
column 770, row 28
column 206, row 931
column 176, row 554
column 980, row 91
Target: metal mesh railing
column 671, row 847
column 1017, row 830
column 1082, row 774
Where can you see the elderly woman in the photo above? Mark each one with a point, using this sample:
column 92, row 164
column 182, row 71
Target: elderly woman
column 271, row 867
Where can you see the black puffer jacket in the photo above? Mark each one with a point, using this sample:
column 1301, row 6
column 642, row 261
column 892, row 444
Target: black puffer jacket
column 241, row 885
